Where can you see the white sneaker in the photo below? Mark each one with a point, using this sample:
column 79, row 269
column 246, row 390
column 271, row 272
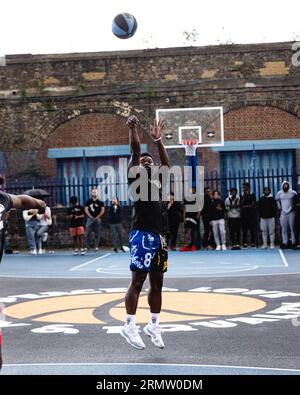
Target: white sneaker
column 264, row 247
column 76, row 252
column 33, row 252
column 131, row 334
column 40, row 251
column 154, row 331
column 218, row 248
column 82, row 251
column 224, row 247
column 45, row 237
column 272, row 246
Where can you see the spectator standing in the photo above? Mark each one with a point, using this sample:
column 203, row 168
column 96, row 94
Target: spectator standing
column 208, row 238
column 297, row 217
column 267, row 209
column 76, row 217
column 116, row 224
column 191, row 223
column 94, row 210
column 31, row 224
column 248, row 215
column 285, row 200
column 232, row 204
column 44, row 220
column 175, row 213
column 217, row 218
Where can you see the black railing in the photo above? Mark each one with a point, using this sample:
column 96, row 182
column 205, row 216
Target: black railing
column 61, row 189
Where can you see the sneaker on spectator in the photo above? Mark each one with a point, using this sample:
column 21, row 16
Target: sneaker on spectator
column 193, row 248
column 45, row 237
column 33, row 252
column 97, row 249
column 40, row 251
column 82, row 251
column 218, row 248
column 184, row 249
column 272, row 246
column 264, row 246
column 76, row 252
column 224, row 247
column 245, row 245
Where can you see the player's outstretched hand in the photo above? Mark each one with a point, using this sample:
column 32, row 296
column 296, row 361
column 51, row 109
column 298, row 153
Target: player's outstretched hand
column 132, row 121
column 41, row 203
column 156, row 128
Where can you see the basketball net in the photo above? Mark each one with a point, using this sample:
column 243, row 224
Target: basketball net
column 190, row 147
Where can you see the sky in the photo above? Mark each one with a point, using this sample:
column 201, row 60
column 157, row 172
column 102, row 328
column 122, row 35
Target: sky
column 67, row 26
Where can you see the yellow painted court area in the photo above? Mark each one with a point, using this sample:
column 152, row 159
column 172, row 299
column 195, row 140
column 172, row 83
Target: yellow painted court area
column 177, row 307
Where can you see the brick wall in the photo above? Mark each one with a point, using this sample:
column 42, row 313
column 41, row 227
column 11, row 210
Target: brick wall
column 260, row 123
column 47, row 101
column 88, row 130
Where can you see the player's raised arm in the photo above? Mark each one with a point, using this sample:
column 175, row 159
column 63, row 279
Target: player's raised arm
column 134, row 141
column 27, row 202
column 155, row 132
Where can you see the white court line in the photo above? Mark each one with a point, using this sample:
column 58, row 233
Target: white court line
column 145, row 364
column 283, row 258
column 91, row 261
column 167, row 276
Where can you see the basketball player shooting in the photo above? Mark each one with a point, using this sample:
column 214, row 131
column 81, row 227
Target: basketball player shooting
column 148, row 249
column 8, row 202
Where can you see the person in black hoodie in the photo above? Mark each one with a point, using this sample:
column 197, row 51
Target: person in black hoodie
column 116, row 224
column 267, row 209
column 175, row 214
column 217, row 219
column 208, row 238
column 248, row 215
column 297, row 217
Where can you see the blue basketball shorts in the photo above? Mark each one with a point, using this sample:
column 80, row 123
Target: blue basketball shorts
column 148, row 252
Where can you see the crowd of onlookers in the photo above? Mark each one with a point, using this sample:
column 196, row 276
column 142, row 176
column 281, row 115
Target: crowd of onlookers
column 244, row 215
column 235, row 221
column 84, row 223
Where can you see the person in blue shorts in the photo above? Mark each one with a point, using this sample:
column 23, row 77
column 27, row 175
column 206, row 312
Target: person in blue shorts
column 148, row 247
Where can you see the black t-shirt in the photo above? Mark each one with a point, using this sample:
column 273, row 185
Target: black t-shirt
column 175, row 213
column 150, row 216
column 76, row 210
column 296, row 200
column 217, row 210
column 248, row 200
column 5, row 205
column 115, row 214
column 94, row 206
column 193, row 214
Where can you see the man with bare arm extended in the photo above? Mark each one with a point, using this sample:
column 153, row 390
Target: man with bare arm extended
column 148, row 249
column 8, row 202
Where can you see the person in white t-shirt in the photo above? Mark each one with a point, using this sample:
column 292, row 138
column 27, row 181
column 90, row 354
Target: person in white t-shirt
column 44, row 220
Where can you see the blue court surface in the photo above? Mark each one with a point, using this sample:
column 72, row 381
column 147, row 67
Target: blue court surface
column 224, row 312
column 187, row 264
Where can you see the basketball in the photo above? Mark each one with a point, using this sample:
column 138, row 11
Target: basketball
column 124, row 25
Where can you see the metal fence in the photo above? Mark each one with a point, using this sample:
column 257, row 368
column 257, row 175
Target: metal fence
column 61, row 189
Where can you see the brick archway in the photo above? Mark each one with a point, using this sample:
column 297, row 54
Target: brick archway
column 260, row 123
column 87, row 130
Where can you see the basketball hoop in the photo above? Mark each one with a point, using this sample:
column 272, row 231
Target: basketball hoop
column 190, row 147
